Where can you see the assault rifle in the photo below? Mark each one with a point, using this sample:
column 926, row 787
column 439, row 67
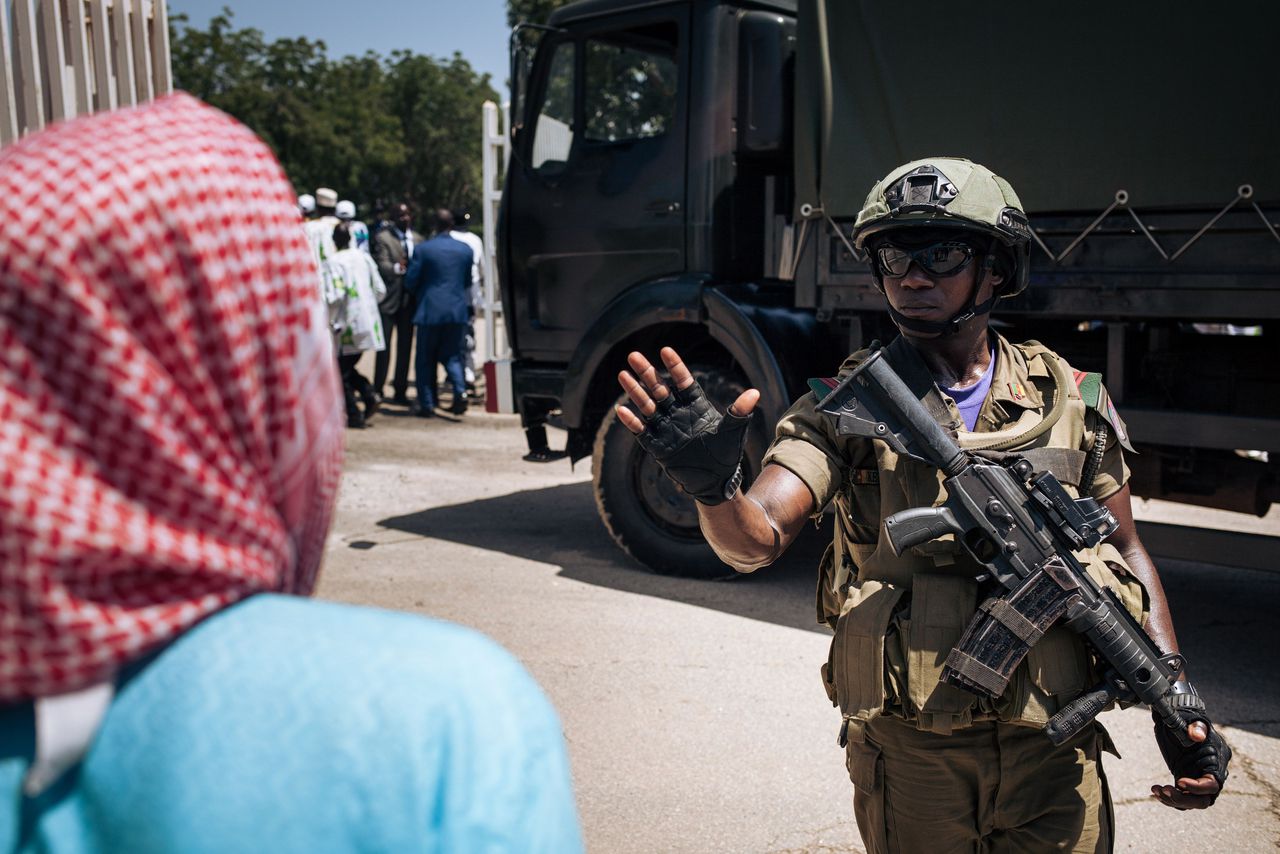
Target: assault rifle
column 1022, row 526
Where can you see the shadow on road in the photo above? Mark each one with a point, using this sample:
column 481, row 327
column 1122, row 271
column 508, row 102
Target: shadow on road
column 1225, row 617
column 559, row 525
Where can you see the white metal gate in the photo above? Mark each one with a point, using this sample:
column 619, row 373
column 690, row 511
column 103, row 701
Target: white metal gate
column 61, row 58
column 496, row 148
column 497, row 350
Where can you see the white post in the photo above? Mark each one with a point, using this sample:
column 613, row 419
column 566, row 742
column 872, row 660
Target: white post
column 8, row 98
column 141, row 38
column 121, row 31
column 104, row 90
column 493, row 162
column 27, row 61
column 81, row 66
column 161, row 63
column 55, row 59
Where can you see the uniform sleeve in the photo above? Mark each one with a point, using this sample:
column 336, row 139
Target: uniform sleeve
column 1113, row 474
column 805, row 445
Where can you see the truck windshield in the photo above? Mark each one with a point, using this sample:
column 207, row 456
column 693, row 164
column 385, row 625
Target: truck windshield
column 625, row 84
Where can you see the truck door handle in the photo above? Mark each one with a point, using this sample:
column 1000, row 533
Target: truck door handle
column 662, row 208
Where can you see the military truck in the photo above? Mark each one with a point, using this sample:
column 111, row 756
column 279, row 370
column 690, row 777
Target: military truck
column 686, row 172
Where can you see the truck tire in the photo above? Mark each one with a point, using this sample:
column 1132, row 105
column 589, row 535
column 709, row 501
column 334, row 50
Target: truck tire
column 648, row 516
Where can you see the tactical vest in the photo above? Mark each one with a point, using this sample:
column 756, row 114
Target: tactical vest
column 896, row 618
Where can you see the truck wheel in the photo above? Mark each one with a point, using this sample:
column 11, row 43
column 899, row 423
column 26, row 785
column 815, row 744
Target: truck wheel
column 643, row 510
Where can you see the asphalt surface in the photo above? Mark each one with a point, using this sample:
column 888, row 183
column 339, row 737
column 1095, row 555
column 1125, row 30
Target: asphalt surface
column 693, row 711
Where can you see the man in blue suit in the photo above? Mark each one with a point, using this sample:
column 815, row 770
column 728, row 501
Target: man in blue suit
column 439, row 277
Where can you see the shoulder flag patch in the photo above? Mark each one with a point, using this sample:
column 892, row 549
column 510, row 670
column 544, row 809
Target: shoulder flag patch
column 1090, row 386
column 1113, row 418
column 822, row 386
column 1107, row 410
column 1094, row 394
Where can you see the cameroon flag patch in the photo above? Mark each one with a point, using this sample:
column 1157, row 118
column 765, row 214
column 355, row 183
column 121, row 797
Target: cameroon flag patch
column 822, row 386
column 1090, row 386
column 1094, row 394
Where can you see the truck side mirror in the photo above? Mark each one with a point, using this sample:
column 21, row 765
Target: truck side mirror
column 525, row 39
column 766, row 58
column 519, row 82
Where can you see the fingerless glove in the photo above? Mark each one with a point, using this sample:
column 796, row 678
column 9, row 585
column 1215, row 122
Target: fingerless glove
column 697, row 447
column 1210, row 756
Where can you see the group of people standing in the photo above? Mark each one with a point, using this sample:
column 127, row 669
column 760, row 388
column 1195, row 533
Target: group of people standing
column 386, row 290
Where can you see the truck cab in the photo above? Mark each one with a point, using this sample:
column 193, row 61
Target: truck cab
column 651, row 162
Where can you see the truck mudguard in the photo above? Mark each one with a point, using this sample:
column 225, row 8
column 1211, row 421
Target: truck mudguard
column 673, row 300
column 731, row 326
column 681, row 300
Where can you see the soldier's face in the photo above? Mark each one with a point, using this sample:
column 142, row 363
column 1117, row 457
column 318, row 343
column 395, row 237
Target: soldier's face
column 936, row 299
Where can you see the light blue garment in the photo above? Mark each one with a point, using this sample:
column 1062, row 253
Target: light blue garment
column 285, row 724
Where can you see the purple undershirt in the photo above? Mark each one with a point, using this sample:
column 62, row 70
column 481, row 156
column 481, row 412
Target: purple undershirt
column 969, row 400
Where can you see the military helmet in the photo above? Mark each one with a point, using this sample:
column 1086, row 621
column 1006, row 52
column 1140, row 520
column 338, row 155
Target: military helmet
column 950, row 192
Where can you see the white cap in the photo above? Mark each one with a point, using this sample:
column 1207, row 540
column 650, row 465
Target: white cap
column 326, row 198
column 346, row 209
column 307, row 203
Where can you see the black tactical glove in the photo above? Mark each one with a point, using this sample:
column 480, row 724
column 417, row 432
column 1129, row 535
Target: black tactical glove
column 1210, row 756
column 697, row 447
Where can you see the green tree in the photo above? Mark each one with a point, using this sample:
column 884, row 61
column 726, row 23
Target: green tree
column 436, row 104
column 532, row 11
column 377, row 130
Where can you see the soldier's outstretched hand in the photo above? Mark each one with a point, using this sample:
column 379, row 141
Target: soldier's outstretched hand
column 700, row 449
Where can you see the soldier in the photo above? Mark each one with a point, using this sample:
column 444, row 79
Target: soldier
column 936, row 768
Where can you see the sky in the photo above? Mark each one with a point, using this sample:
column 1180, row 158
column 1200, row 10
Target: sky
column 475, row 28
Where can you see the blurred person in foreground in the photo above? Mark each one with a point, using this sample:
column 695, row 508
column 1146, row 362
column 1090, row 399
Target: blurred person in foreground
column 393, row 247
column 170, row 448
column 439, row 278
column 352, row 288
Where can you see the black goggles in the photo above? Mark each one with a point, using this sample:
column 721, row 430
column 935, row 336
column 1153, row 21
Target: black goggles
column 937, row 259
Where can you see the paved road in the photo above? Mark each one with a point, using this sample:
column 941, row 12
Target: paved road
column 693, row 711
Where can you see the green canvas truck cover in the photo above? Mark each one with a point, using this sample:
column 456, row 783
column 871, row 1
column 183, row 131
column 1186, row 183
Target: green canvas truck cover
column 1176, row 103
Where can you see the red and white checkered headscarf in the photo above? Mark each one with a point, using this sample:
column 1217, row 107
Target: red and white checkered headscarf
column 170, row 421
